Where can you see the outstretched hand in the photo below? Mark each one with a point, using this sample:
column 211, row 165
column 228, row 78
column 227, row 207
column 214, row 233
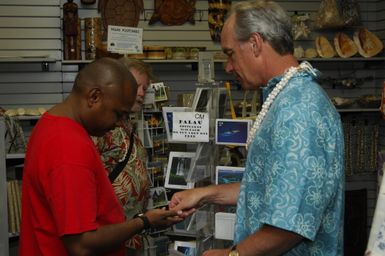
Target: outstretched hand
column 185, row 202
column 161, row 218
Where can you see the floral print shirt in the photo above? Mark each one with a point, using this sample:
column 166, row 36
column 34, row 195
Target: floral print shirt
column 294, row 177
column 132, row 185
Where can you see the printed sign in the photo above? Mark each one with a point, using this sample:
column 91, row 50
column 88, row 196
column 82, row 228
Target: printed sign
column 190, row 126
column 125, row 40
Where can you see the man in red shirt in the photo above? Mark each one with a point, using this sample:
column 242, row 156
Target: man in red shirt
column 68, row 204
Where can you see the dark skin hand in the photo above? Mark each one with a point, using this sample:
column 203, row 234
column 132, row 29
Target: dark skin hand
column 110, row 237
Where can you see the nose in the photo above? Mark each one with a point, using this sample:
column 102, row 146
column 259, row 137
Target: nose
column 140, row 91
column 229, row 66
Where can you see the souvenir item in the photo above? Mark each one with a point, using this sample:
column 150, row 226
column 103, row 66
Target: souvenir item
column 367, row 43
column 93, row 36
column 300, row 28
column 120, row 12
column 329, row 15
column 173, row 12
column 324, row 48
column 350, row 12
column 71, row 31
column 344, row 46
column 299, row 52
column 311, row 53
column 155, row 52
column 217, row 12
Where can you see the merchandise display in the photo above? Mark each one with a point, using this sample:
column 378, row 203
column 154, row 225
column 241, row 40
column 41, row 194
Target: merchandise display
column 331, row 36
column 71, row 31
column 324, row 48
column 93, row 36
column 344, row 46
column 368, row 44
column 111, row 12
column 217, row 13
column 173, row 12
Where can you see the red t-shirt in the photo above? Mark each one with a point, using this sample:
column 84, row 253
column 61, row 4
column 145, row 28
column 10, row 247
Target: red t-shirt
column 65, row 188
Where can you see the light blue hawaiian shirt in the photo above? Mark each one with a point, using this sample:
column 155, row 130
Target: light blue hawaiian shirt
column 294, row 177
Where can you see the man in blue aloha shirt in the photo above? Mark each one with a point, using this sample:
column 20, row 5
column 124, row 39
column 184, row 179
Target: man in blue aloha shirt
column 291, row 198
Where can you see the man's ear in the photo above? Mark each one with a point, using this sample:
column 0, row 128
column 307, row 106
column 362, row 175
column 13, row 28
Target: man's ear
column 94, row 96
column 256, row 43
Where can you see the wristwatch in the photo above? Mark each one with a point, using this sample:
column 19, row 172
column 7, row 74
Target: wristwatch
column 234, row 251
column 146, row 222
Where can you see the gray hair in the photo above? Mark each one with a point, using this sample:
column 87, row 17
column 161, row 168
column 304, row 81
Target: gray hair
column 266, row 18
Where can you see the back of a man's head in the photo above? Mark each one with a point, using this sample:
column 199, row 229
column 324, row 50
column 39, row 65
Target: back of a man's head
column 104, row 73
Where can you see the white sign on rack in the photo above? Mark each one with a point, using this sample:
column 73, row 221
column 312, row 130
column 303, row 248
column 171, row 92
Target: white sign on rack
column 125, row 40
column 190, row 126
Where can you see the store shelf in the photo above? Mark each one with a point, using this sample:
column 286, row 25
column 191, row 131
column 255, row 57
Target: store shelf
column 29, row 59
column 22, row 59
column 15, row 156
column 70, row 62
column 342, row 110
column 75, row 62
column 337, row 59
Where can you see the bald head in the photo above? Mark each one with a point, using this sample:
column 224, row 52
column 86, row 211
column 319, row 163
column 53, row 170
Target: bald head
column 104, row 73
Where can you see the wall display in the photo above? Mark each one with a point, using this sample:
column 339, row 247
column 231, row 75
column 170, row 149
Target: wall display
column 160, row 91
column 200, row 166
column 202, row 99
column 173, row 12
column 158, row 198
column 206, row 72
column 368, row 44
column 111, row 12
column 93, row 36
column 71, row 32
column 232, row 131
column 190, row 127
column 168, row 119
column 125, row 40
column 228, row 174
column 188, row 248
column 177, row 167
column 217, row 13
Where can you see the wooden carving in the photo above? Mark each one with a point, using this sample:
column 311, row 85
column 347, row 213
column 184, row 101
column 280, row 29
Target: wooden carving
column 173, row 12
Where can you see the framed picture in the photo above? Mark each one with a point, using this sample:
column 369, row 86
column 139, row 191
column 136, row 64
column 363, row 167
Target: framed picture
column 160, row 91
column 177, row 170
column 202, row 99
column 158, row 198
column 168, row 117
column 188, row 248
column 228, row 174
column 232, row 131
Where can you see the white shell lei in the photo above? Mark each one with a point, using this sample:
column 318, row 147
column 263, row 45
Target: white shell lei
column 270, row 99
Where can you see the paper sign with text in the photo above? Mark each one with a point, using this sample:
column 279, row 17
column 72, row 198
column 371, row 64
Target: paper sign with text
column 190, row 126
column 125, row 40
